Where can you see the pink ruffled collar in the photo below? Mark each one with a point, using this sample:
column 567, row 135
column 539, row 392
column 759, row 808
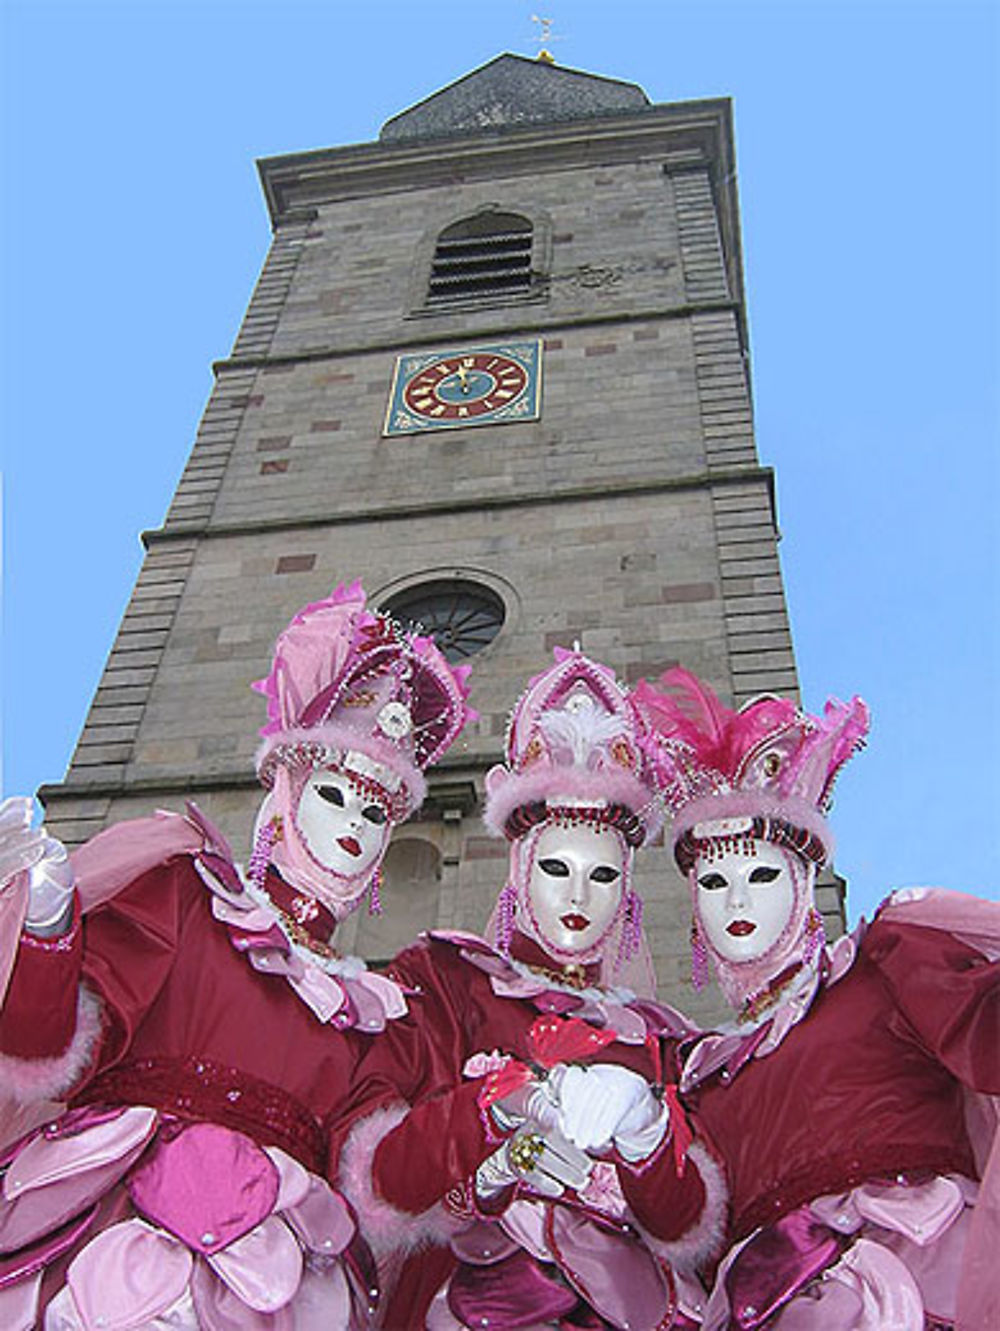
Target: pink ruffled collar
column 727, row 1049
column 340, row 991
column 631, row 1018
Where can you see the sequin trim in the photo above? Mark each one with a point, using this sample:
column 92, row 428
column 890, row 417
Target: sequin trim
column 198, row 1089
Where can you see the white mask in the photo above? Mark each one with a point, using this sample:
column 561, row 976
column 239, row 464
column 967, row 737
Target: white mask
column 575, row 885
column 344, row 830
column 744, row 901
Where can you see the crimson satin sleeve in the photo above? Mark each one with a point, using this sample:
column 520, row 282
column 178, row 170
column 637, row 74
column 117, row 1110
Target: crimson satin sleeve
column 946, row 995
column 438, row 1146
column 443, row 1139
column 39, row 1014
column 666, row 1204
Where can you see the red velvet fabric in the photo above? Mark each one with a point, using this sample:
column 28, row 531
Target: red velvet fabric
column 868, row 1085
column 177, row 995
column 38, row 1017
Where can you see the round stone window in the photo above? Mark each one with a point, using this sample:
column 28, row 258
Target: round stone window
column 462, row 617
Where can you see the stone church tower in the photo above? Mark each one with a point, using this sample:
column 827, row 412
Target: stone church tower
column 496, row 366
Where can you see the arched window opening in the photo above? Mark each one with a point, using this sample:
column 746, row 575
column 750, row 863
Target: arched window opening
column 463, row 617
column 482, row 256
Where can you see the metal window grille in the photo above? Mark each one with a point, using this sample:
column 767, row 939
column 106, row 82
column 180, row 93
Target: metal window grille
column 481, row 257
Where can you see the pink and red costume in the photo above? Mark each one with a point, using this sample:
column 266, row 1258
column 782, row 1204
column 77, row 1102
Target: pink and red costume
column 206, row 1036
column 852, row 1104
column 525, row 1253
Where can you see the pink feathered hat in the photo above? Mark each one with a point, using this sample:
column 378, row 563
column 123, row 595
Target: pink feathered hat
column 573, row 746
column 765, row 771
column 345, row 680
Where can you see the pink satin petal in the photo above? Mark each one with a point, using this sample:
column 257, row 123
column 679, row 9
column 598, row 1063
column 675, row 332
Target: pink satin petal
column 627, row 1025
column 19, row 1303
column 320, row 991
column 513, row 1293
column 322, row 1219
column 937, row 1268
column 367, row 1004
column 293, row 1178
column 890, row 1298
column 271, row 961
column 387, row 991
column 263, row 1267
column 219, row 1309
column 48, row 1160
column 40, row 1211
column 126, row 1276
column 53, row 1242
column 525, row 1223
column 838, row 1212
column 830, row 1305
column 323, row 1301
column 920, row 1212
column 440, row 1317
column 482, row 1243
column 208, row 1186
column 615, row 1273
column 251, row 919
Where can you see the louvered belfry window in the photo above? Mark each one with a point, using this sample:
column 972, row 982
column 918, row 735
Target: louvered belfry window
column 481, row 257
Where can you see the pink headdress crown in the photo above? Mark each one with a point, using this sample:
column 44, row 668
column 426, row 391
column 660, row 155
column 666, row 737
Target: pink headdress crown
column 765, row 771
column 573, row 744
column 345, row 680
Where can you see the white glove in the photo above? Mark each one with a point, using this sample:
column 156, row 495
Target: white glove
column 548, row 1164
column 21, row 845
column 50, row 892
column 603, row 1104
column 535, row 1103
column 24, row 848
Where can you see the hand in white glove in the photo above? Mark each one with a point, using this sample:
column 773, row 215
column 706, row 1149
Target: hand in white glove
column 24, row 848
column 50, row 894
column 603, row 1104
column 535, row 1103
column 21, row 845
column 547, row 1162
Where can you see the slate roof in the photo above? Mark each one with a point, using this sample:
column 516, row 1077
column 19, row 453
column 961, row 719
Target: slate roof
column 513, row 92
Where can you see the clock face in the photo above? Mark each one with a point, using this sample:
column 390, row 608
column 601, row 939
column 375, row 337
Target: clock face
column 460, row 387
column 477, row 386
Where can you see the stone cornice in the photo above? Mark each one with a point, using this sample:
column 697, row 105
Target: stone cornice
column 452, row 784
column 433, row 508
column 295, row 181
column 533, row 324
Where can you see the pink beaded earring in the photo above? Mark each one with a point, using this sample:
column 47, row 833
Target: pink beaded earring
column 631, row 938
column 699, row 958
column 815, row 936
column 260, row 857
column 375, row 893
column 506, row 910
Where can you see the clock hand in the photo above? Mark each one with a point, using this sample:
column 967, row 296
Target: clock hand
column 463, row 378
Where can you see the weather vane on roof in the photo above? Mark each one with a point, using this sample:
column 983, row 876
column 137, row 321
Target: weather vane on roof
column 544, row 38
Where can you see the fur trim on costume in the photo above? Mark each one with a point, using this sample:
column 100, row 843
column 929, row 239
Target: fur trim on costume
column 26, row 1080
column 704, row 1239
column 385, row 1227
column 564, row 785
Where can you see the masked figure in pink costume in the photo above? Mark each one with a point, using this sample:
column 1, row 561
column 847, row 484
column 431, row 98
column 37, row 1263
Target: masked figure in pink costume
column 199, row 1023
column 547, row 1080
column 851, row 1100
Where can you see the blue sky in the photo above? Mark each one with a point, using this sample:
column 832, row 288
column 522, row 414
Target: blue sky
column 132, row 230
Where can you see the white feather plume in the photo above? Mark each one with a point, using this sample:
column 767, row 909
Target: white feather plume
column 580, row 738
